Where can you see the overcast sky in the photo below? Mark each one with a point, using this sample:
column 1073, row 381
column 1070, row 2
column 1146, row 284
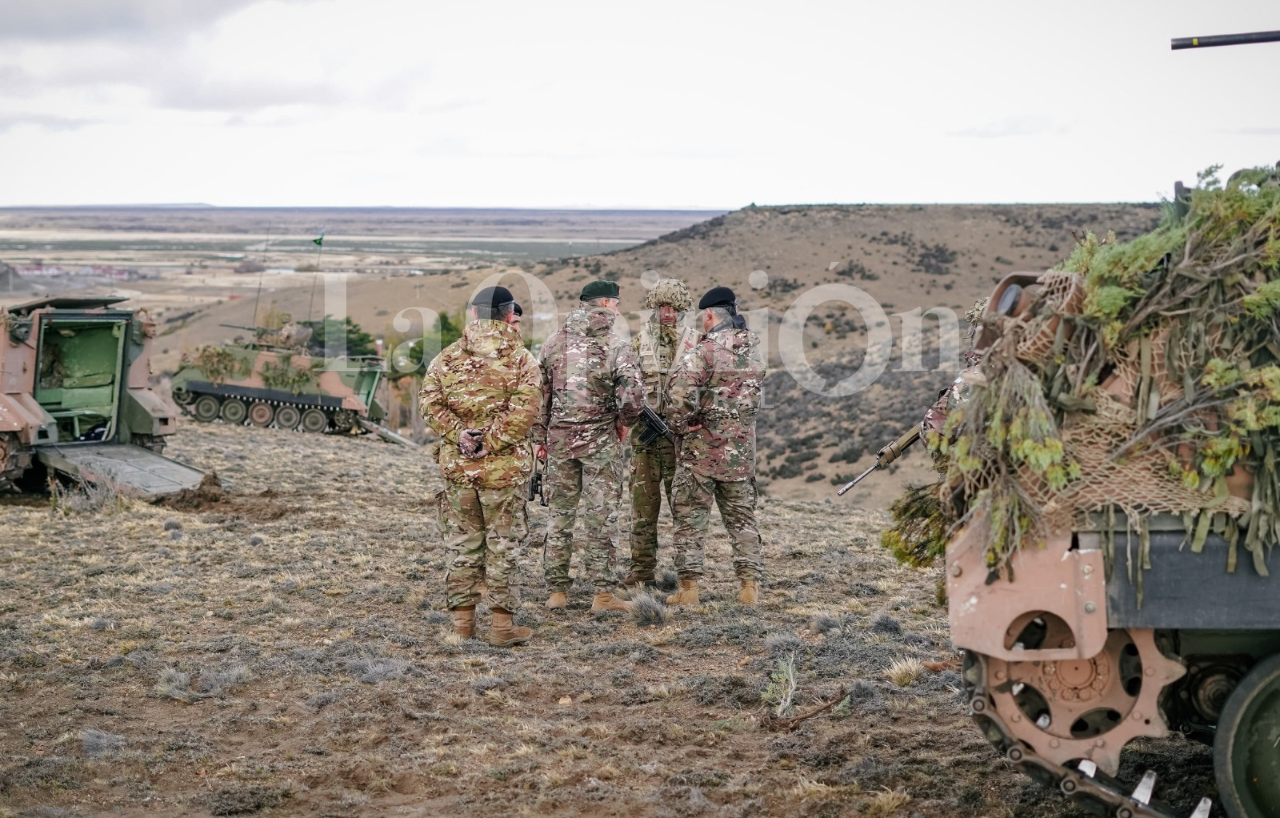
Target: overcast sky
column 643, row 104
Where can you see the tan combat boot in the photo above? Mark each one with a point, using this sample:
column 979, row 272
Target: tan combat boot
column 464, row 621
column 606, row 601
column 558, row 599
column 503, row 633
column 687, row 595
column 637, row 578
column 749, row 592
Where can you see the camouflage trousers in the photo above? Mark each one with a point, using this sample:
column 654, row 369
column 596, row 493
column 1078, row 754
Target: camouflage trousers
column 596, row 481
column 484, row 530
column 693, row 494
column 653, row 467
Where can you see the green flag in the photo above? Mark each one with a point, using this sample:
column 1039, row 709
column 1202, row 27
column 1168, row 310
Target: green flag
column 318, row 240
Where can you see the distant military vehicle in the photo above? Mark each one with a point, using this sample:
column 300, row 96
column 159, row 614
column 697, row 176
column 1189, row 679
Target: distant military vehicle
column 275, row 380
column 75, row 397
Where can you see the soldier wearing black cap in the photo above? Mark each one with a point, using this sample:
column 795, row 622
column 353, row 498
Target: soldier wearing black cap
column 591, row 388
column 715, row 395
column 481, row 396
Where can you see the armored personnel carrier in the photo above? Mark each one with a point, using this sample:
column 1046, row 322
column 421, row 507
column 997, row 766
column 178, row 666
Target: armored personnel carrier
column 275, row 380
column 1111, row 500
column 75, row 397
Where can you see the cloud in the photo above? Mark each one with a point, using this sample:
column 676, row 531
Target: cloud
column 1014, row 126
column 1257, row 131
column 45, row 121
column 100, row 19
column 193, row 92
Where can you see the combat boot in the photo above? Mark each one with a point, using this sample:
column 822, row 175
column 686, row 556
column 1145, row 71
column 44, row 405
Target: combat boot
column 638, row 578
column 749, row 592
column 687, row 595
column 558, row 599
column 503, row 633
column 464, row 621
column 606, row 601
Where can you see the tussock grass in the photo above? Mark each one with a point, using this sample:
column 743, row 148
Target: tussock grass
column 80, row 497
column 648, row 611
column 887, row 802
column 904, row 671
column 99, row 744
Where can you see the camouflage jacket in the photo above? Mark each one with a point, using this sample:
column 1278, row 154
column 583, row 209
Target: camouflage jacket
column 484, row 380
column 659, row 350
column 590, row 382
column 717, row 387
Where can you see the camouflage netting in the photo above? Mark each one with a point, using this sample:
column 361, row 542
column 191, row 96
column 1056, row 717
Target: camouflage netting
column 219, row 365
column 1141, row 377
column 284, row 374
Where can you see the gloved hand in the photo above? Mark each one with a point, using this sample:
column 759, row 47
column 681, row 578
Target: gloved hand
column 471, row 444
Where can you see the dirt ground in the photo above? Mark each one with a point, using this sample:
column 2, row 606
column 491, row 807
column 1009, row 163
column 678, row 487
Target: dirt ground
column 283, row 651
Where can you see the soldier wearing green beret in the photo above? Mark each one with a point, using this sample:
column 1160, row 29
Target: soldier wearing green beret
column 591, row 391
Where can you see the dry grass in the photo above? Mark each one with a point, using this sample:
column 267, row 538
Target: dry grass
column 314, row 674
column 887, row 802
column 903, row 672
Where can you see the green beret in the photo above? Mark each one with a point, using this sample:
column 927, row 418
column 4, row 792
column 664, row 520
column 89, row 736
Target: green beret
column 599, row 289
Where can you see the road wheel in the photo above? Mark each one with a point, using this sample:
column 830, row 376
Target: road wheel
column 183, row 397
column 233, row 412
column 205, row 409
column 314, row 421
column 260, row 414
column 287, row 417
column 344, row 419
column 1246, row 751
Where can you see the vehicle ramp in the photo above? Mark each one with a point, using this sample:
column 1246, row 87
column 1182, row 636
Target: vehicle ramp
column 140, row 469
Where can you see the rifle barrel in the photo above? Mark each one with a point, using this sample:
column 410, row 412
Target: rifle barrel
column 856, row 480
column 1180, row 43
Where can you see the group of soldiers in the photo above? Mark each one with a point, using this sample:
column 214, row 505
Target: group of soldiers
column 497, row 409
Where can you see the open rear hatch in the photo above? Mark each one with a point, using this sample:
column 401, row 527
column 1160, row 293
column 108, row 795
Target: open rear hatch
column 140, row 469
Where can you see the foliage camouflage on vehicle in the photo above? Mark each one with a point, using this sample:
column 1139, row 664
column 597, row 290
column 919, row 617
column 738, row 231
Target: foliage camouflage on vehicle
column 283, row 373
column 220, row 365
column 1142, row 375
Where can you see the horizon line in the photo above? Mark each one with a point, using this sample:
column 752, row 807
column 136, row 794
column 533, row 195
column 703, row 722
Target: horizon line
column 551, row 208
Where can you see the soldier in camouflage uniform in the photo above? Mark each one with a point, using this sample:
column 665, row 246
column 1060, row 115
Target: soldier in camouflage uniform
column 715, row 395
column 660, row 345
column 481, row 396
column 591, row 389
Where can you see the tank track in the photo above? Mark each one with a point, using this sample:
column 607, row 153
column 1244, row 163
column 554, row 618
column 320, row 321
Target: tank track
column 332, row 415
column 1085, row 784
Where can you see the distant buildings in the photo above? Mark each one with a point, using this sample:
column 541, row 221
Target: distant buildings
column 37, row 271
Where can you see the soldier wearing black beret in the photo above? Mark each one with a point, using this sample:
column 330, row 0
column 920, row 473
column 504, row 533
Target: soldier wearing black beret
column 715, row 395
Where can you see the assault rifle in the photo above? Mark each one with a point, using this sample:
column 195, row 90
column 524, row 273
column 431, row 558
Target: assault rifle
column 886, row 456
column 654, row 427
column 535, row 484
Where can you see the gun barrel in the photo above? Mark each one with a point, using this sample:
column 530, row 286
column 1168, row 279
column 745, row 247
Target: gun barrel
column 856, row 480
column 1180, row 43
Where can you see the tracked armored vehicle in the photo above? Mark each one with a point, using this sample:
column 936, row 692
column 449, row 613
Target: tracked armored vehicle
column 1113, row 496
column 275, row 380
column 75, row 397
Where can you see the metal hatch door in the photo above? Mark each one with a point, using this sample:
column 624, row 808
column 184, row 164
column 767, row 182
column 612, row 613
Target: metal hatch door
column 140, row 469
